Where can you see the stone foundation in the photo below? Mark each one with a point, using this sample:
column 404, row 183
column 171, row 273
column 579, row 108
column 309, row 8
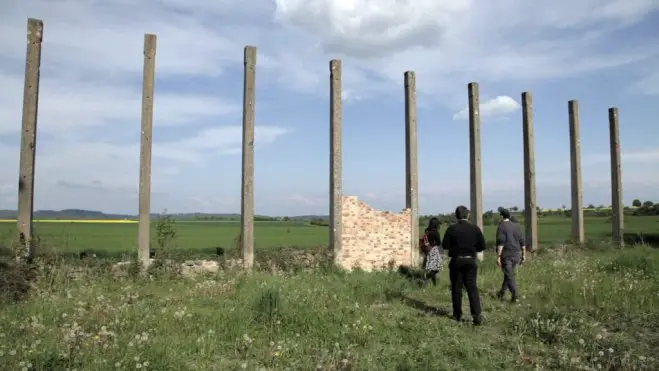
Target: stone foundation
column 372, row 239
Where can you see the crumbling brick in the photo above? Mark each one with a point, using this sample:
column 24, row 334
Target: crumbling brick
column 372, row 239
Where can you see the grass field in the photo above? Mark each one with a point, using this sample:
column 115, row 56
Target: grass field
column 201, row 238
column 580, row 309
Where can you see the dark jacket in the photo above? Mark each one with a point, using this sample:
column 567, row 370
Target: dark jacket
column 463, row 239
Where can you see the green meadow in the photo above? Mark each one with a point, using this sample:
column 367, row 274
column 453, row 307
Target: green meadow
column 591, row 307
column 580, row 309
column 203, row 237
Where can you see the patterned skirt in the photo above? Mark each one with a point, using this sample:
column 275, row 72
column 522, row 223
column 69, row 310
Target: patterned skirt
column 434, row 259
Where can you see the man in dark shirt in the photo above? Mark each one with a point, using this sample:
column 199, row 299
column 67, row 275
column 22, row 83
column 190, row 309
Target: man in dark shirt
column 464, row 242
column 511, row 251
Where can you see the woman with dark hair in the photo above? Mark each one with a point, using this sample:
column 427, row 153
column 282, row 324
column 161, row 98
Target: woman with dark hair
column 432, row 243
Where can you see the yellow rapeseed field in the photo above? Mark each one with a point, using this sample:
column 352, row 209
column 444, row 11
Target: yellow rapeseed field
column 105, row 221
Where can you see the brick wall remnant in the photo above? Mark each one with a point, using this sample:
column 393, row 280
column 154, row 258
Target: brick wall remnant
column 372, row 239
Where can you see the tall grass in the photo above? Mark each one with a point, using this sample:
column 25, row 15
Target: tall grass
column 580, row 309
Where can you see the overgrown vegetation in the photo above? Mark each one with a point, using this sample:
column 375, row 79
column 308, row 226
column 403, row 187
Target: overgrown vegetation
column 588, row 308
column 592, row 307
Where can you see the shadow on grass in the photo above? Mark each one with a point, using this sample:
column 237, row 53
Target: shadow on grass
column 122, row 255
column 651, row 239
column 414, row 275
column 418, row 277
column 424, row 307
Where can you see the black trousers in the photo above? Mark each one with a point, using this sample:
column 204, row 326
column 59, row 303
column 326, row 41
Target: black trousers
column 508, row 265
column 463, row 272
column 432, row 275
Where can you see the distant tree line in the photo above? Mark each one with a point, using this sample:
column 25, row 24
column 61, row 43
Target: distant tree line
column 319, row 222
column 490, row 217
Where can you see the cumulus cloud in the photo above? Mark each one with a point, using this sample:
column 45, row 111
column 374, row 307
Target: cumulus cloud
column 89, row 109
column 372, row 28
column 90, row 96
column 495, row 107
column 452, row 42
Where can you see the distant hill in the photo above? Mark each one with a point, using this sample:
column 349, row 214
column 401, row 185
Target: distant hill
column 98, row 215
column 67, row 214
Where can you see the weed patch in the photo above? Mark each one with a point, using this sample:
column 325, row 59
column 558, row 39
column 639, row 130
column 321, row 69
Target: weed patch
column 574, row 312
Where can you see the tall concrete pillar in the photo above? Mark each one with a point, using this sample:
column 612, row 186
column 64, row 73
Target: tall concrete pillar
column 530, row 211
column 25, row 249
column 476, row 181
column 578, row 235
column 247, row 195
column 336, row 166
column 618, row 226
column 411, row 163
column 146, row 144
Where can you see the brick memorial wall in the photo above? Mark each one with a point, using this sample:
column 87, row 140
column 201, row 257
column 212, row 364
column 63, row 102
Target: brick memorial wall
column 372, row 239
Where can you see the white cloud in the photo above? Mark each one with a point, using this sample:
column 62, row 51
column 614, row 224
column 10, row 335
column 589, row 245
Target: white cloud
column 309, row 199
column 649, row 84
column 452, row 42
column 90, row 96
column 219, row 141
column 116, row 165
column 110, row 40
column 498, row 106
column 640, row 156
column 92, row 64
column 211, row 204
column 68, row 104
column 552, row 190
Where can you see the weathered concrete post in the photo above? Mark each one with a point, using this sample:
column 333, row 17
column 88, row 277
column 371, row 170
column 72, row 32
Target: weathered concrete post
column 530, row 211
column 476, row 186
column 247, row 196
column 616, row 179
column 578, row 235
column 25, row 250
column 336, row 165
column 411, row 163
column 146, row 144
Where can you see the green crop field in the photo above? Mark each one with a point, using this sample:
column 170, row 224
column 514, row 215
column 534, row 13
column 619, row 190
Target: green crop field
column 580, row 308
column 204, row 237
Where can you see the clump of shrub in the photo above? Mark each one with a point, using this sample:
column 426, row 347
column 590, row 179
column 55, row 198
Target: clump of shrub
column 267, row 309
column 640, row 264
column 15, row 280
column 166, row 236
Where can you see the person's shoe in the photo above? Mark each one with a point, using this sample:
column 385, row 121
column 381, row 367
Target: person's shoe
column 456, row 318
column 478, row 321
column 500, row 295
column 514, row 299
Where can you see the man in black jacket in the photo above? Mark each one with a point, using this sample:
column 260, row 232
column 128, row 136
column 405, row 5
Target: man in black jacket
column 464, row 242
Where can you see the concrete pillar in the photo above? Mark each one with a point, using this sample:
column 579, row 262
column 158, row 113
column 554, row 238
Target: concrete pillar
column 247, row 196
column 411, row 164
column 143, row 233
column 336, row 165
column 25, row 249
column 578, row 235
column 618, row 226
column 476, row 181
column 530, row 211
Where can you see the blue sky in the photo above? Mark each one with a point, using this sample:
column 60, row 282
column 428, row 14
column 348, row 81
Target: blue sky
column 603, row 53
